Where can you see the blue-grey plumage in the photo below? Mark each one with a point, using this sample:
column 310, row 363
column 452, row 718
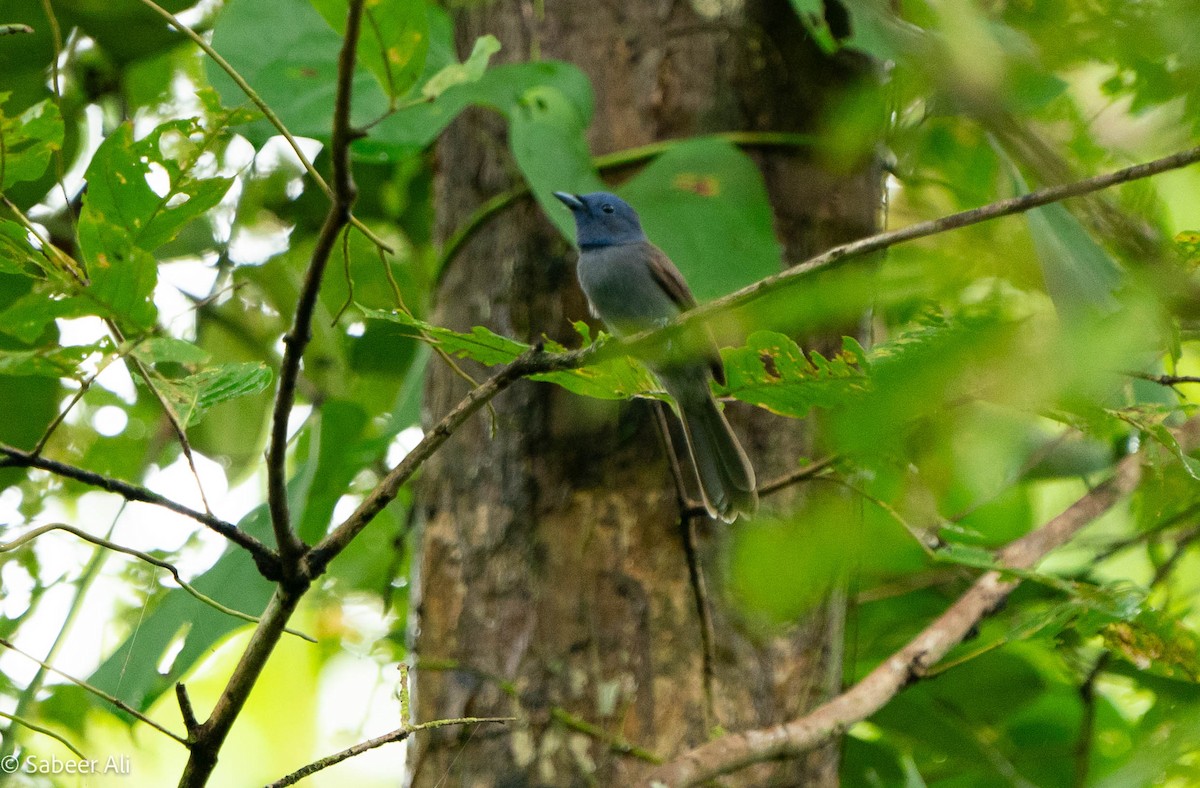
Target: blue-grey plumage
column 632, row 286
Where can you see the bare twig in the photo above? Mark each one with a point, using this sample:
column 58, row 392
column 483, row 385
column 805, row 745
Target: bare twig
column 400, row 734
column 805, row 473
column 297, row 339
column 910, row 663
column 34, row 533
column 264, row 558
column 112, row 699
column 534, row 360
column 209, row 736
column 185, row 710
column 33, row 726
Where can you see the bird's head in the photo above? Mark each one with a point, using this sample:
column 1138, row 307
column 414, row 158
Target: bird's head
column 602, row 219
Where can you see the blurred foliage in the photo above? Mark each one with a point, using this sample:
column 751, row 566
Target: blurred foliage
column 1005, row 368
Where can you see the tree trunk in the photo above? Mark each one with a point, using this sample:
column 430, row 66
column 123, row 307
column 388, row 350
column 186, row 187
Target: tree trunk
column 553, row 583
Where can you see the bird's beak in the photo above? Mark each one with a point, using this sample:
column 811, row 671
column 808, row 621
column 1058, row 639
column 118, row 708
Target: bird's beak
column 569, row 200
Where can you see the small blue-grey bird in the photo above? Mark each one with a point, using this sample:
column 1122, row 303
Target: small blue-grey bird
column 633, row 286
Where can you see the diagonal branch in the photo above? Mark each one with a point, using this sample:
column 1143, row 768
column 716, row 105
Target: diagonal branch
column 876, row 689
column 112, row 699
column 400, row 734
column 264, row 558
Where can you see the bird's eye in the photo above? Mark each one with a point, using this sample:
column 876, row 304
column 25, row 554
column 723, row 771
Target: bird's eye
column 607, row 208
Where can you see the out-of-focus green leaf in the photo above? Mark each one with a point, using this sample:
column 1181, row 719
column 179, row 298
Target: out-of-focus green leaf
column 52, row 362
column 156, row 349
column 294, row 69
column 771, row 371
column 194, row 394
column 16, row 255
column 122, row 273
column 547, row 136
column 500, row 88
column 703, row 201
column 393, row 40
column 470, row 70
column 30, row 139
column 617, row 378
column 132, row 671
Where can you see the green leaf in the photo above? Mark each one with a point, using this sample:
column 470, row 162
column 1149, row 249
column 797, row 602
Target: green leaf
column 812, row 16
column 771, row 371
column 156, row 349
column 29, row 141
column 547, row 136
column 470, row 70
column 293, row 69
column 122, row 274
column 704, row 203
column 16, row 254
column 119, row 192
column 500, row 88
column 193, row 395
column 1080, row 276
column 617, row 378
column 49, row 362
column 393, row 40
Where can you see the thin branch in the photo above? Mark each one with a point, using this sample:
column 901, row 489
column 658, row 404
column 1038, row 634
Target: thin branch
column 111, row 699
column 8, row 30
column 210, row 735
column 289, row 544
column 29, row 694
column 264, row 108
column 190, row 723
column 1166, row 380
column 264, row 558
column 533, row 360
column 874, row 243
column 910, row 663
column 33, row 726
column 400, row 734
column 34, row 533
column 617, row 743
column 803, row 474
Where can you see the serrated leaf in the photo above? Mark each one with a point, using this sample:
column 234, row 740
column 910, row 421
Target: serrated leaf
column 122, row 274
column 191, row 396
column 771, row 371
column 616, row 378
column 119, row 192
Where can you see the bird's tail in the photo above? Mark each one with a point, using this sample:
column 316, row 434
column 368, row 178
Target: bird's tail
column 725, row 474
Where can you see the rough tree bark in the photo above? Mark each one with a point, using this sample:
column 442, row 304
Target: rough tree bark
column 552, row 575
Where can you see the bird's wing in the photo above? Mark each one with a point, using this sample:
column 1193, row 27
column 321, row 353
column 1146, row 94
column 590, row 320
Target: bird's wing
column 672, row 282
column 669, row 278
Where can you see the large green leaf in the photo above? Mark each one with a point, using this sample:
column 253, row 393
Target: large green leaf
column 705, row 204
column 294, row 69
column 547, row 136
